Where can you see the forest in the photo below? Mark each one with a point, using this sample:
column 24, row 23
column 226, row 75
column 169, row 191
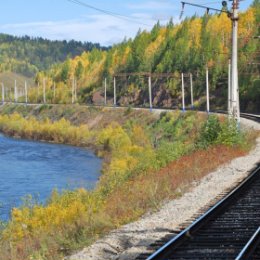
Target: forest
column 186, row 47
column 26, row 55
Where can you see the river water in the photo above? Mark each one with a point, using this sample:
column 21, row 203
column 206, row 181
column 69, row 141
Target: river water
column 36, row 168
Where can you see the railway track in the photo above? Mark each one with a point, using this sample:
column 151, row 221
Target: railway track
column 228, row 230
column 251, row 117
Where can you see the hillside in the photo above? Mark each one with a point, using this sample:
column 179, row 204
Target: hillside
column 8, row 78
column 187, row 47
column 27, row 56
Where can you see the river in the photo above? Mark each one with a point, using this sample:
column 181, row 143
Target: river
column 36, row 168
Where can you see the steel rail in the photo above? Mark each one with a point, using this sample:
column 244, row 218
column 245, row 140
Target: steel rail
column 251, row 116
column 169, row 247
column 251, row 245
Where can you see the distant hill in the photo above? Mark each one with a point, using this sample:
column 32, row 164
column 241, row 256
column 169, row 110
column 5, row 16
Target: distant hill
column 8, row 79
column 27, row 56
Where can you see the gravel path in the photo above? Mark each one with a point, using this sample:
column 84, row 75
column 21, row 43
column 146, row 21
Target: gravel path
column 131, row 240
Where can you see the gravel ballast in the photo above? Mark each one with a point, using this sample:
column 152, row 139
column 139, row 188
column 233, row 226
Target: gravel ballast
column 133, row 239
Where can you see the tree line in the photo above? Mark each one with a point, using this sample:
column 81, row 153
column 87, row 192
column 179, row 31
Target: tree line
column 29, row 55
column 186, row 47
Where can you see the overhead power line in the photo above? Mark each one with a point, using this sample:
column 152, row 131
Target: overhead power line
column 116, row 15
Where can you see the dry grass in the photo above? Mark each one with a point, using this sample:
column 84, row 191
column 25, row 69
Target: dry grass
column 147, row 192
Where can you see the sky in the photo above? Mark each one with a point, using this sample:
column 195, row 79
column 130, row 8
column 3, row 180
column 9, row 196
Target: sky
column 65, row 20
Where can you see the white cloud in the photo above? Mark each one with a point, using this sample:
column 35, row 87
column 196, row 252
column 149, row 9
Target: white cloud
column 96, row 28
column 100, row 28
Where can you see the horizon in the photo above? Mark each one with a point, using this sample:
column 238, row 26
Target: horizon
column 66, row 20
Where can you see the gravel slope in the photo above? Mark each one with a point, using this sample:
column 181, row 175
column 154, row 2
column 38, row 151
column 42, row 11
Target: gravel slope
column 131, row 240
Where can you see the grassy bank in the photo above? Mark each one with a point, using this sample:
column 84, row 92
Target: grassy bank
column 148, row 159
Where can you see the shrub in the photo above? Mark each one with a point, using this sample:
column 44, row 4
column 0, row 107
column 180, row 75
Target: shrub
column 59, row 132
column 230, row 133
column 168, row 152
column 214, row 132
column 210, row 131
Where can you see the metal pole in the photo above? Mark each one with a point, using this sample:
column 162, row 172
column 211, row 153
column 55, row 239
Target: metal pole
column 26, row 92
column 150, row 93
column 229, row 88
column 3, row 93
column 191, row 91
column 44, row 89
column 207, row 88
column 182, row 90
column 105, row 91
column 234, row 72
column 114, row 91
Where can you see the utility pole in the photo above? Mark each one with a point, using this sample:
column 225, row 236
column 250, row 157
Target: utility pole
column 233, row 15
column 229, row 88
column 235, row 111
column 207, row 88
column 150, row 93
column 191, row 91
column 182, row 91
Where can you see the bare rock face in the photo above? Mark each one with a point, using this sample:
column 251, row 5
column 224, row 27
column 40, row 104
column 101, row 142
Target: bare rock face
column 131, row 240
column 98, row 98
column 163, row 98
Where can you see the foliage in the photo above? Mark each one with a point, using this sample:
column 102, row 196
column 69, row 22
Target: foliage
column 210, row 131
column 27, row 56
column 59, row 132
column 230, row 134
column 214, row 132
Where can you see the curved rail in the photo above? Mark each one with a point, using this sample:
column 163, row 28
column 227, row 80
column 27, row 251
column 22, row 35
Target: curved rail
column 251, row 245
column 251, row 116
column 165, row 251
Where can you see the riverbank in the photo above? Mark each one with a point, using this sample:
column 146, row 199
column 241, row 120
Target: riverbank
column 134, row 239
column 147, row 159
